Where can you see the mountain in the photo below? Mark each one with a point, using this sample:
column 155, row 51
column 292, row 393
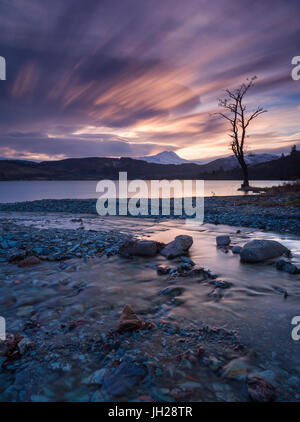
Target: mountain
column 95, row 168
column 165, row 157
column 253, row 159
column 226, row 163
column 230, row 162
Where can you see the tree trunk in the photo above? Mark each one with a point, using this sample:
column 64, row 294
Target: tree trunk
column 245, row 183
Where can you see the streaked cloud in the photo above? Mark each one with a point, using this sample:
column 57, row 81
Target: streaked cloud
column 128, row 79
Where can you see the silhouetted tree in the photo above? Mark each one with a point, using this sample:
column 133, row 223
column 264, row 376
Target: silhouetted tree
column 235, row 112
column 293, row 150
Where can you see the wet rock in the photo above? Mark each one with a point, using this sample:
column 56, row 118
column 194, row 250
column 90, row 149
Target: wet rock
column 286, row 266
column 24, row 345
column 163, row 270
column 214, row 363
column 172, row 291
column 223, row 240
column 38, row 251
column 261, row 250
column 187, row 260
column 29, row 261
column 267, row 375
column 11, row 345
column 184, row 267
column 236, row 249
column 201, row 351
column 97, row 377
column 220, row 284
column 179, row 246
column 260, row 390
column 147, row 248
column 74, row 248
column 129, row 321
column 293, row 380
column 236, row 369
column 122, row 379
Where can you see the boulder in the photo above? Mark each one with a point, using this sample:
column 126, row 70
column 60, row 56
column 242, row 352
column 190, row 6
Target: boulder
column 223, row 240
column 261, row 250
column 179, row 246
column 129, row 321
column 147, row 248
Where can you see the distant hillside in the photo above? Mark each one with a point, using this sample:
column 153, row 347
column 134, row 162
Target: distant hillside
column 229, row 163
column 286, row 168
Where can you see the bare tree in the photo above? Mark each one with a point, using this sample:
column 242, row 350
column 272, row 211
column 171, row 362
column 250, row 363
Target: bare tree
column 235, row 112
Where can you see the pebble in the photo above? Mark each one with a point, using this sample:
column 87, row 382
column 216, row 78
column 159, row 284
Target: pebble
column 122, row 379
column 236, row 369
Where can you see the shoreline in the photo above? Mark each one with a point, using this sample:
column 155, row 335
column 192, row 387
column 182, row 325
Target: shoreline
column 254, row 211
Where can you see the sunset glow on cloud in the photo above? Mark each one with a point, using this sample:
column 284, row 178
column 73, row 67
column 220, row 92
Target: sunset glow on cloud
column 133, row 78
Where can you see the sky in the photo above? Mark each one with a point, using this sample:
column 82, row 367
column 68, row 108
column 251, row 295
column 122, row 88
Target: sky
column 136, row 77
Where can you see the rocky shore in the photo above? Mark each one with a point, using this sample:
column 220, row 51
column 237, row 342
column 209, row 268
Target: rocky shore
column 109, row 314
column 20, row 242
column 252, row 211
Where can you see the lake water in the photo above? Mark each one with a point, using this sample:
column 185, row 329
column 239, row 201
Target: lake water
column 18, row 191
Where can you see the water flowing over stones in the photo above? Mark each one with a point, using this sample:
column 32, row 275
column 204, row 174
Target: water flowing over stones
column 67, row 313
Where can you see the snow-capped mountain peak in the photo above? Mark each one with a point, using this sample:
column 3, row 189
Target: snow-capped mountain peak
column 165, row 157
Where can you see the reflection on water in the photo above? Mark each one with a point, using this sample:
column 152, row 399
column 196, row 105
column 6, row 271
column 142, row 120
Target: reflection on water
column 18, row 191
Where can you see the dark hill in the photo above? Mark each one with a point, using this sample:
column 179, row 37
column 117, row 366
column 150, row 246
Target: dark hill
column 286, row 168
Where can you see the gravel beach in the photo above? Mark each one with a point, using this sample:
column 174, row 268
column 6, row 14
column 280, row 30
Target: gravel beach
column 234, row 211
